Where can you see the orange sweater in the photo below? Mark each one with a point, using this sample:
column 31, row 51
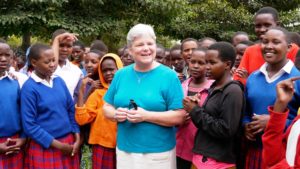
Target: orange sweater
column 103, row 131
column 253, row 59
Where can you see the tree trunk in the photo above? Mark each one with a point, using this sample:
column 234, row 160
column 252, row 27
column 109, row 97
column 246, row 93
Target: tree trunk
column 26, row 38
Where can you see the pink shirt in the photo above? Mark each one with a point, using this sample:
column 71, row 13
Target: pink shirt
column 186, row 132
column 209, row 163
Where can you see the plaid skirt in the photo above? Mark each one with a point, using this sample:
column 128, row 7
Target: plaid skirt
column 253, row 158
column 11, row 161
column 104, row 158
column 38, row 157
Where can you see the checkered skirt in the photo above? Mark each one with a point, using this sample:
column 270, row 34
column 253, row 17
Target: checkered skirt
column 12, row 161
column 38, row 157
column 104, row 158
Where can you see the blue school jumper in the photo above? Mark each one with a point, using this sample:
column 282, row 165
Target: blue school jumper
column 47, row 112
column 10, row 120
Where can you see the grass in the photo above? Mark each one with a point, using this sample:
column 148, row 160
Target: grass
column 86, row 159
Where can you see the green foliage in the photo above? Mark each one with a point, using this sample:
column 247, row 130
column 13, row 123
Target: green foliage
column 110, row 20
column 86, row 159
column 213, row 18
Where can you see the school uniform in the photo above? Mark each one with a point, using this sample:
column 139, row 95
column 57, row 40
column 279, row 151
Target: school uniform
column 48, row 114
column 71, row 74
column 253, row 59
column 260, row 93
column 10, row 121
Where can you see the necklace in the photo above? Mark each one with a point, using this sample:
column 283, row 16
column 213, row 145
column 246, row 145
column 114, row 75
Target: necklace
column 139, row 77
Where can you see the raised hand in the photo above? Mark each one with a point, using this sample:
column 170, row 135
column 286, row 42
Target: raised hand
column 242, row 72
column 285, row 91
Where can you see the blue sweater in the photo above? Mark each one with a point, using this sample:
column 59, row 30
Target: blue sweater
column 47, row 113
column 260, row 94
column 10, row 121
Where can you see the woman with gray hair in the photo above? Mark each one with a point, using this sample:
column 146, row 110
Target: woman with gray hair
column 145, row 98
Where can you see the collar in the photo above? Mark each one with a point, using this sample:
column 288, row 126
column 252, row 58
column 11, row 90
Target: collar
column 287, row 68
column 67, row 64
column 6, row 75
column 43, row 81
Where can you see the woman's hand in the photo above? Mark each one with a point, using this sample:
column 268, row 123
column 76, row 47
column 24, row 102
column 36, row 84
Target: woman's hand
column 15, row 148
column 96, row 84
column 259, row 123
column 69, row 36
column 120, row 114
column 285, row 91
column 249, row 133
column 136, row 116
column 242, row 73
column 86, row 80
column 76, row 144
column 65, row 148
column 4, row 147
column 189, row 103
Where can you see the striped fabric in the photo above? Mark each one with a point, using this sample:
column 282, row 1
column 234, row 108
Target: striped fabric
column 103, row 158
column 38, row 157
column 253, row 158
column 12, row 161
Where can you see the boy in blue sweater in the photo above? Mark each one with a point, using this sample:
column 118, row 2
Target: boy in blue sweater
column 11, row 136
column 48, row 115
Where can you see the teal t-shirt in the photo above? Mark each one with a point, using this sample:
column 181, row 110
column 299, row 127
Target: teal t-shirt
column 156, row 90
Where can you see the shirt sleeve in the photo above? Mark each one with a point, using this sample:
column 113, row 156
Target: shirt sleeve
column 248, row 112
column 173, row 99
column 274, row 147
column 29, row 114
column 110, row 94
column 71, row 109
column 88, row 113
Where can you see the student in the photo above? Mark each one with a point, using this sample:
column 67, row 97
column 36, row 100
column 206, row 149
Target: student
column 12, row 137
column 206, row 42
column 168, row 58
column 27, row 68
column 240, row 50
column 12, row 71
column 239, row 37
column 103, row 131
column 195, row 86
column 125, row 57
column 260, row 91
column 99, row 45
column 48, row 115
column 264, row 18
column 91, row 64
column 78, row 52
column 282, row 150
column 218, row 120
column 69, row 72
column 160, row 54
column 177, row 62
column 187, row 47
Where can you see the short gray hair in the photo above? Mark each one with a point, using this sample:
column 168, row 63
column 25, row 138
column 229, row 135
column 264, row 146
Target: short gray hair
column 140, row 30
